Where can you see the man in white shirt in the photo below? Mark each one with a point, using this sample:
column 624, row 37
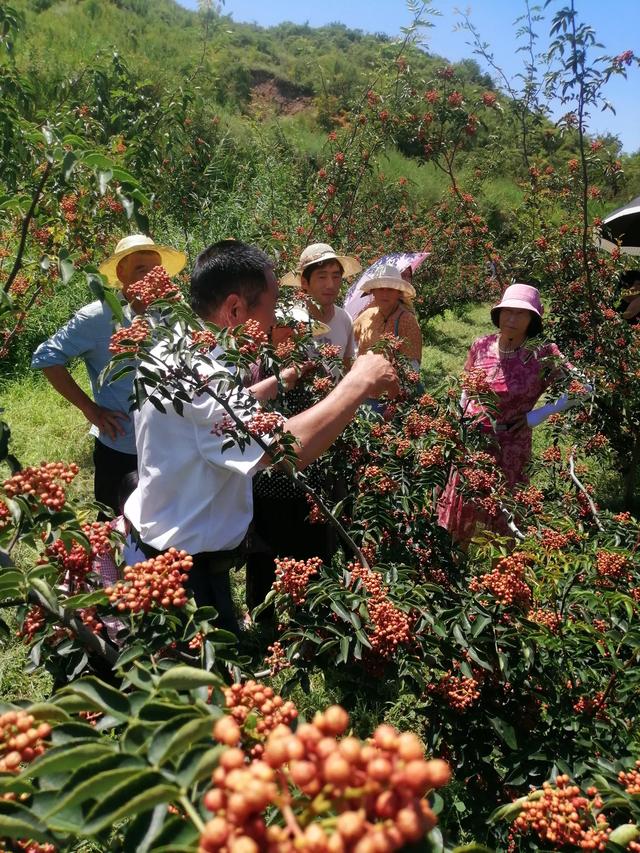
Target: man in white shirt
column 192, row 495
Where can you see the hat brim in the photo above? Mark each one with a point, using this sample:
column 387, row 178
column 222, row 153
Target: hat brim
column 350, row 266
column 172, row 260
column 389, row 283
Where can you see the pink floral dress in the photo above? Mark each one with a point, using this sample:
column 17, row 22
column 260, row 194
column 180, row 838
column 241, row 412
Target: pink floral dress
column 518, row 380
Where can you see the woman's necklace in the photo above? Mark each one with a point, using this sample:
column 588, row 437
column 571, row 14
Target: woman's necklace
column 509, row 352
column 389, row 316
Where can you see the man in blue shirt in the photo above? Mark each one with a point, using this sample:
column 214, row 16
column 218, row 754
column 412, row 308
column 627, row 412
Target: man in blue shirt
column 87, row 336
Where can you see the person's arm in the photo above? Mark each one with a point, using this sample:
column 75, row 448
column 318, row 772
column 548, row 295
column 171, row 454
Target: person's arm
column 409, row 332
column 267, row 389
column 317, row 428
column 107, row 420
column 77, row 339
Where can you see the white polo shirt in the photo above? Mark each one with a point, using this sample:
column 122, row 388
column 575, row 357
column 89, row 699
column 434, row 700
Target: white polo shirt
column 192, row 494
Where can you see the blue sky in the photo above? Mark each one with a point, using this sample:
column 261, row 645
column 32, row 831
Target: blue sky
column 616, row 23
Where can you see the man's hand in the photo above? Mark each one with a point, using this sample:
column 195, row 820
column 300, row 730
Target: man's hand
column 378, row 374
column 107, row 420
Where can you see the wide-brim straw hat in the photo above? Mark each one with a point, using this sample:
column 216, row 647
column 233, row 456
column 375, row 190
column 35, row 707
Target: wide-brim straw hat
column 317, row 253
column 389, row 276
column 171, row 259
column 298, row 314
column 522, row 296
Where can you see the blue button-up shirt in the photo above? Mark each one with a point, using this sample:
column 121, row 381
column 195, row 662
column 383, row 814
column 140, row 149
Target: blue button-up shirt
column 87, row 336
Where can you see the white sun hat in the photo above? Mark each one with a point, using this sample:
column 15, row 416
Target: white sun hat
column 389, row 276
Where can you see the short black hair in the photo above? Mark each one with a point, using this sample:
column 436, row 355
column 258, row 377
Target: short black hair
column 307, row 271
column 226, row 267
column 128, row 484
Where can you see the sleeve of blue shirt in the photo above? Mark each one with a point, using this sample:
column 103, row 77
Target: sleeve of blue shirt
column 78, row 338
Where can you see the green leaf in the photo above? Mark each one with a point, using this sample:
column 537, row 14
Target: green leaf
column 622, row 835
column 162, row 735
column 85, row 599
column 94, row 787
column 190, row 733
column 134, row 797
column 45, row 592
column 95, row 160
column 102, row 697
column 198, row 764
column 187, row 678
column 17, row 821
column 114, row 303
column 64, row 757
column 68, row 164
column 505, row 731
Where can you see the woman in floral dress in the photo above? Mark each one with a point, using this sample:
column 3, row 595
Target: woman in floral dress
column 517, row 375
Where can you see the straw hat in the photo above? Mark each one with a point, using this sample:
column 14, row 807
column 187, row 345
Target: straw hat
column 389, row 276
column 298, row 314
column 316, row 254
column 171, row 259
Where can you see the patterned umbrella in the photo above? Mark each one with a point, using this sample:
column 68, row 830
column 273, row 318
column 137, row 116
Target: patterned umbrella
column 355, row 301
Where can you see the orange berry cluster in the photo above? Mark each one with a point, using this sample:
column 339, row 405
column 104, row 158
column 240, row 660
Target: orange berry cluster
column 611, row 568
column 591, row 707
column 69, row 207
column 253, row 338
column 374, row 789
column 40, row 483
column 391, row 626
column 252, row 698
column 561, row 815
column 34, row 620
column 285, row 349
column 417, row 425
column 553, row 540
column 98, row 533
column 329, row 351
column 20, row 741
column 479, row 481
column 293, row 576
column 474, row 381
column 277, row 658
column 544, row 617
column 458, row 691
column 157, row 582
column 322, row 385
column 316, row 515
column 156, row 284
column 204, row 338
column 506, row 582
column 75, row 563
column 130, row 338
column 5, row 515
column 552, row 455
column 531, row 498
column 375, row 480
column 263, row 423
column 432, row 456
column 631, row 779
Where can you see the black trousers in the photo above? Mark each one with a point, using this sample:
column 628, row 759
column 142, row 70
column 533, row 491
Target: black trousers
column 209, row 581
column 110, row 468
column 280, row 526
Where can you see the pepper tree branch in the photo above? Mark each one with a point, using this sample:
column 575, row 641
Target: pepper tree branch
column 25, row 226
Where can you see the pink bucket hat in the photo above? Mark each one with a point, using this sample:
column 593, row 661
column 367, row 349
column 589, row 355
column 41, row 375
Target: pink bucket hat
column 520, row 296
